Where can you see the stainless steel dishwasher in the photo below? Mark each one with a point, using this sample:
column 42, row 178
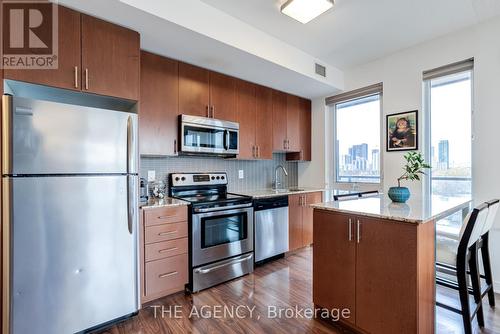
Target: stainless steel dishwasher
column 271, row 227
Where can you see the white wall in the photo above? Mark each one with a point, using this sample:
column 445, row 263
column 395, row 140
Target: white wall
column 401, row 74
column 312, row 174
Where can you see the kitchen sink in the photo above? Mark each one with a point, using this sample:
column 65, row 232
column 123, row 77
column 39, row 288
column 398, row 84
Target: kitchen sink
column 290, row 190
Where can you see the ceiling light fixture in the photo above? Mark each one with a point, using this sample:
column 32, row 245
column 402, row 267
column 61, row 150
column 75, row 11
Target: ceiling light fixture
column 305, row 10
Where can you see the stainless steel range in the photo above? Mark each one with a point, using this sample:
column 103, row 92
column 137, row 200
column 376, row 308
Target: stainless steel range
column 220, row 228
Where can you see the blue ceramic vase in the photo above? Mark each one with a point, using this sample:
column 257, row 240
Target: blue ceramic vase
column 399, row 194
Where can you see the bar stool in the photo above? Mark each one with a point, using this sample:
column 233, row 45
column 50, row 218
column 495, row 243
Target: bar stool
column 483, row 246
column 465, row 255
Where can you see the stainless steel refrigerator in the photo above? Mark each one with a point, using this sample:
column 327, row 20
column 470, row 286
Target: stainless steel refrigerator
column 70, row 214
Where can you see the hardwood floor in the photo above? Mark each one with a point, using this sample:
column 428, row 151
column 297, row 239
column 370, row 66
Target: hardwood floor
column 283, row 283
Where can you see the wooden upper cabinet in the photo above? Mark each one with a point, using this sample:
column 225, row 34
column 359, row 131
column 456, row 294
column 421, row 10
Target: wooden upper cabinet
column 334, row 264
column 293, row 123
column 305, row 130
column 264, row 126
column 304, row 150
column 246, row 117
column 222, row 97
column 194, row 94
column 110, row 59
column 279, row 121
column 159, row 105
column 68, row 73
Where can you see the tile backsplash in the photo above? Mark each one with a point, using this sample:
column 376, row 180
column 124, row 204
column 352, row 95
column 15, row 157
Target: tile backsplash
column 258, row 174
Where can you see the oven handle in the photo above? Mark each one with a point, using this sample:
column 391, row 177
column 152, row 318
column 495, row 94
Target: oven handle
column 222, row 265
column 223, row 208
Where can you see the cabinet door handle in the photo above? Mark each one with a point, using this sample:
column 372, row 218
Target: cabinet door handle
column 358, row 231
column 167, row 233
column 284, row 144
column 76, row 76
column 87, row 79
column 168, row 274
column 175, row 146
column 213, row 111
column 258, row 151
column 208, row 111
column 350, row 229
column 167, row 250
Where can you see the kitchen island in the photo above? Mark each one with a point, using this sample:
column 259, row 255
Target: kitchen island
column 376, row 258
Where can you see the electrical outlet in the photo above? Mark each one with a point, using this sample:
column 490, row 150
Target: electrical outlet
column 151, row 175
column 241, row 174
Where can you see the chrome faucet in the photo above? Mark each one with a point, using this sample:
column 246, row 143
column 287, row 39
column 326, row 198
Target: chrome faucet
column 277, row 184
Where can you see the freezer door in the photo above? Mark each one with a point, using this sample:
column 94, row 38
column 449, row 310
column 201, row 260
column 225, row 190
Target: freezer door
column 44, row 137
column 73, row 261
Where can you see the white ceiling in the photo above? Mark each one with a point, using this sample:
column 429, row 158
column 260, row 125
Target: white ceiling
column 358, row 31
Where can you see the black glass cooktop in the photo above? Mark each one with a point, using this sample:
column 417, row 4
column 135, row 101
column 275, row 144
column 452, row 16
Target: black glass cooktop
column 205, row 198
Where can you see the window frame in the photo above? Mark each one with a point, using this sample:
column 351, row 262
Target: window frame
column 335, row 156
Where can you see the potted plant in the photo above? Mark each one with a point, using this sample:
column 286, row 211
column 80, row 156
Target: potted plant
column 413, row 168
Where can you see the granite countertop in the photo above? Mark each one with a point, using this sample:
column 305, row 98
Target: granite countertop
column 416, row 211
column 264, row 193
column 154, row 203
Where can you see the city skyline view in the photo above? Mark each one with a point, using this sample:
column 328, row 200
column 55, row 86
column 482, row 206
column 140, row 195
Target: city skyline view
column 358, row 151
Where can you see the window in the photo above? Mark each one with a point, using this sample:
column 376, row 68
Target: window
column 449, row 102
column 357, row 139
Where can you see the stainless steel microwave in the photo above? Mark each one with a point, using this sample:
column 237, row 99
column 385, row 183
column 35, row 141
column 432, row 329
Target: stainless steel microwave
column 208, row 136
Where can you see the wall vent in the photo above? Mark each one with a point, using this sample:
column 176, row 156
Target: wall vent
column 320, row 70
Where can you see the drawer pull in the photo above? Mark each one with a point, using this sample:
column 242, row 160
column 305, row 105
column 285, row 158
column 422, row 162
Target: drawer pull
column 165, row 217
column 167, row 233
column 168, row 274
column 167, row 250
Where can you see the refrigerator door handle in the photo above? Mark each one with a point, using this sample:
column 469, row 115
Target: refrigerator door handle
column 130, row 141
column 131, row 191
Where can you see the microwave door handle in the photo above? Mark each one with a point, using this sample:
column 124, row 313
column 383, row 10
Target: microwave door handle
column 226, row 140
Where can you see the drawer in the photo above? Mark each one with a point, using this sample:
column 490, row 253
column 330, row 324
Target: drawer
column 165, row 232
column 165, row 215
column 166, row 249
column 166, row 275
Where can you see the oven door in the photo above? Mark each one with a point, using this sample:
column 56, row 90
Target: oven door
column 221, row 234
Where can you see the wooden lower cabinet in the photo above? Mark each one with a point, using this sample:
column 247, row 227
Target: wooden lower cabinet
column 163, row 251
column 381, row 270
column 294, row 222
column 300, row 219
column 334, row 263
column 307, row 216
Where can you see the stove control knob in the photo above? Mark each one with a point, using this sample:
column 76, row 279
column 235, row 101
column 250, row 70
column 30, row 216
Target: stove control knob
column 183, row 178
column 213, row 177
column 177, row 178
column 222, row 177
column 218, row 177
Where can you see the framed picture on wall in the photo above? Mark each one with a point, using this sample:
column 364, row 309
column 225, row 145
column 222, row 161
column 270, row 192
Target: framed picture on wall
column 402, row 131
